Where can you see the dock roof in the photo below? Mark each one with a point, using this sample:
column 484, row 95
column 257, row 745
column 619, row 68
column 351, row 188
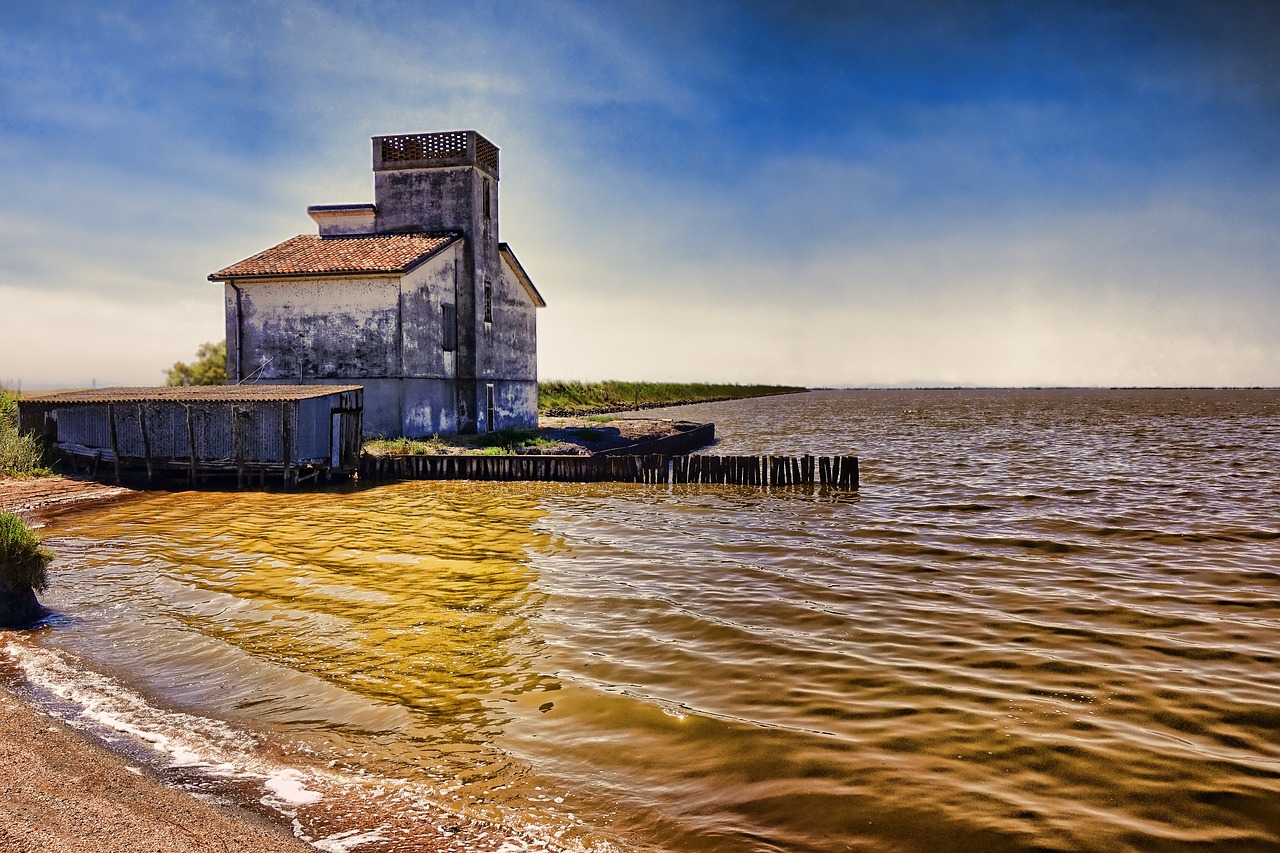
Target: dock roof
column 311, row 254
column 192, row 393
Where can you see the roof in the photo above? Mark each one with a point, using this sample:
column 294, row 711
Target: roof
column 193, row 394
column 521, row 276
column 311, row 254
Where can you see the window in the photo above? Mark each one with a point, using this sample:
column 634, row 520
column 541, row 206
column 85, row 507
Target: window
column 485, row 191
column 489, row 418
column 488, row 301
column 448, row 327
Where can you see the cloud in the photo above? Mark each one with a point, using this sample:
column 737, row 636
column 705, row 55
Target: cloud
column 998, row 196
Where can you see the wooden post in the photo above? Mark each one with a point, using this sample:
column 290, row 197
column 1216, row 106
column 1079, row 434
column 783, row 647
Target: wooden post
column 191, row 445
column 285, row 441
column 146, row 443
column 115, row 449
column 851, row 463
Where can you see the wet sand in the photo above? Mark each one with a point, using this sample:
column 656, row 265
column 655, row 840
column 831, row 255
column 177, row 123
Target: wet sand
column 59, row 790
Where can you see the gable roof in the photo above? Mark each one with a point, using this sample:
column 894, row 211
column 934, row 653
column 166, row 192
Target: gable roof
column 311, row 254
column 521, row 276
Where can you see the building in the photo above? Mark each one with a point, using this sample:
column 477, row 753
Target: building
column 413, row 297
column 289, row 433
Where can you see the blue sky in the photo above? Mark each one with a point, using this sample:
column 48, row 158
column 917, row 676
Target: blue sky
column 822, row 193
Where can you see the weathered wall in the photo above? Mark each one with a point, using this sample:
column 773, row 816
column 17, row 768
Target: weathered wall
column 508, row 347
column 451, row 198
column 324, row 328
column 515, row 404
column 424, row 293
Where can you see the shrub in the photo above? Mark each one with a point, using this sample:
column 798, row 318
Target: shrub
column 20, row 455
column 23, row 563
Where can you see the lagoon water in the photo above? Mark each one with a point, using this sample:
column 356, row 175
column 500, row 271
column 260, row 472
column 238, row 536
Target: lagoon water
column 1049, row 620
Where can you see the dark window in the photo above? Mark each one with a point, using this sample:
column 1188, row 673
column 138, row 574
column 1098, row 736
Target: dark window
column 448, row 328
column 489, row 425
column 488, row 301
column 485, row 191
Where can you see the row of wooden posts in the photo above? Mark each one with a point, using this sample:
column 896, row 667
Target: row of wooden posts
column 833, row 471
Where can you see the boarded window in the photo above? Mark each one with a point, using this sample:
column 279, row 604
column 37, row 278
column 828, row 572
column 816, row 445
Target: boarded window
column 488, row 301
column 448, row 327
column 489, row 416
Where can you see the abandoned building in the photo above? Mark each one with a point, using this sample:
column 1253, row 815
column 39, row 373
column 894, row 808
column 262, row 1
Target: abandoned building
column 411, row 297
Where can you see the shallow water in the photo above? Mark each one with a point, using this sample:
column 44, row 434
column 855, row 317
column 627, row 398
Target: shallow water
column 1048, row 621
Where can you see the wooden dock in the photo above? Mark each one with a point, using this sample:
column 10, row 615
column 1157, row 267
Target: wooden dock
column 830, row 471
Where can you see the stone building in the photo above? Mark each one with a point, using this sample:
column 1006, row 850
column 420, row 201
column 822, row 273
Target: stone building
column 412, row 297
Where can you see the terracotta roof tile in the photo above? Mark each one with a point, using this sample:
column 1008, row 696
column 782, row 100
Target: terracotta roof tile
column 311, row 254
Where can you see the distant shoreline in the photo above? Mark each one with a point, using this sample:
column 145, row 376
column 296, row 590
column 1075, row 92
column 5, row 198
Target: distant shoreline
column 577, row 399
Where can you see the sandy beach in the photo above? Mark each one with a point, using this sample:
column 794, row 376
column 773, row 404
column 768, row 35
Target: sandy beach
column 59, row 790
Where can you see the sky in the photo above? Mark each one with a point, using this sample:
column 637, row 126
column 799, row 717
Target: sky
column 811, row 193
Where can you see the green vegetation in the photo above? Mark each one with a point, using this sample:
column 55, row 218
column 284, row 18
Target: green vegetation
column 579, row 398
column 20, row 455
column 23, row 563
column 209, row 368
column 499, row 443
column 511, row 440
column 406, row 446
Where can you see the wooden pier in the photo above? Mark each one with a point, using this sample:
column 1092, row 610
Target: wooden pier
column 831, row 471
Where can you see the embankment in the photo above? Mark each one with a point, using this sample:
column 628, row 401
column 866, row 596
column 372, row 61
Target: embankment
column 563, row 399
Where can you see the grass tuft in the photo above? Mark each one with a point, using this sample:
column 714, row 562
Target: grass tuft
column 23, row 563
column 20, row 455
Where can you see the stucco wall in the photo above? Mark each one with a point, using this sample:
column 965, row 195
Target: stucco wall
column 327, row 328
column 425, row 291
column 508, row 347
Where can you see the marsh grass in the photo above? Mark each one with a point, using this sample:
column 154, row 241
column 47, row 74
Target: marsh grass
column 23, row 563
column 580, row 398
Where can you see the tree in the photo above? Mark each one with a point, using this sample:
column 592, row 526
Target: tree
column 209, row 368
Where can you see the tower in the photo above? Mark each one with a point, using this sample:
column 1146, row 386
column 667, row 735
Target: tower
column 432, row 182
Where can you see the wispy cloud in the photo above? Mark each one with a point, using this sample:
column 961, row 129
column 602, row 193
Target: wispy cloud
column 836, row 194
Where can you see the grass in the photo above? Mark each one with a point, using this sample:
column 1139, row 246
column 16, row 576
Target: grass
column 581, row 398
column 20, row 455
column 23, row 563
column 511, row 440
column 499, row 443
column 405, row 446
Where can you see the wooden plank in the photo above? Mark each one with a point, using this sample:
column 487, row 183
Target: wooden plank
column 191, row 446
column 115, row 451
column 146, row 443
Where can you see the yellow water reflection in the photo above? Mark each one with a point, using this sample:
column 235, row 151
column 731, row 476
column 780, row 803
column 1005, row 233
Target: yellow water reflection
column 413, row 598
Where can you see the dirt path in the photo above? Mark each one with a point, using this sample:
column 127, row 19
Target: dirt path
column 40, row 497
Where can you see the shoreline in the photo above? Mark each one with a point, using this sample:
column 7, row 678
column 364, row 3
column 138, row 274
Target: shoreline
column 60, row 789
column 34, row 499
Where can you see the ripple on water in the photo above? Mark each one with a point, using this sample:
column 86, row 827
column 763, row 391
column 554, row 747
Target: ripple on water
column 1047, row 622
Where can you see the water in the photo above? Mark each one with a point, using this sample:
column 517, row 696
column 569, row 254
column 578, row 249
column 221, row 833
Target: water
column 1048, row 621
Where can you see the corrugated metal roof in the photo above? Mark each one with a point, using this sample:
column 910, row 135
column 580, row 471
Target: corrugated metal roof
column 193, row 393
column 311, row 254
